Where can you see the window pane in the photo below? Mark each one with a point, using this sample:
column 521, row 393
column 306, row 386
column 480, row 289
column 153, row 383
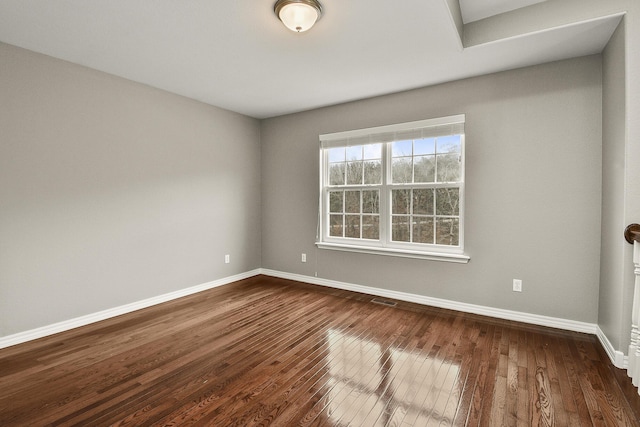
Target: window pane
column 424, row 146
column 352, row 228
column 352, row 201
column 425, row 169
column 354, row 153
column 423, row 201
column 371, row 201
column 449, row 144
column 336, row 174
column 422, row 229
column 402, row 148
column 354, row 173
column 370, row 227
column 372, row 172
column 401, row 170
column 447, row 201
column 400, row 228
column 447, row 231
column 373, row 151
column 336, row 154
column 335, row 201
column 400, row 201
column 336, row 225
column 449, row 167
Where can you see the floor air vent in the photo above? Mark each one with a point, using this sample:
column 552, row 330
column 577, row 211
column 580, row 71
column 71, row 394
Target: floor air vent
column 384, row 302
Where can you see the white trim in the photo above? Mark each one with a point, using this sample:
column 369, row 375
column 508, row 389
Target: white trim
column 66, row 325
column 399, row 127
column 384, row 244
column 633, row 371
column 617, row 357
column 405, row 253
column 535, row 319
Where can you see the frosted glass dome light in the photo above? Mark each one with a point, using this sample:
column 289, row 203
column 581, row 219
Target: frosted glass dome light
column 298, row 15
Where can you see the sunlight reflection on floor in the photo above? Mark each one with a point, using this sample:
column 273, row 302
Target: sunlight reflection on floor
column 375, row 386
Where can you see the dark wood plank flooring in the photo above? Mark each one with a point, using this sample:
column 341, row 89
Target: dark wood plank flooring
column 266, row 351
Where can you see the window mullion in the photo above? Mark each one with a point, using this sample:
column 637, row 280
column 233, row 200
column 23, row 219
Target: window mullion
column 385, row 196
column 361, row 213
column 411, row 239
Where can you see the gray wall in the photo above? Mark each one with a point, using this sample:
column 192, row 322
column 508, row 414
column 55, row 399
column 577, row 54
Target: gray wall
column 112, row 192
column 632, row 154
column 614, row 249
column 621, row 176
column 617, row 287
column 533, row 193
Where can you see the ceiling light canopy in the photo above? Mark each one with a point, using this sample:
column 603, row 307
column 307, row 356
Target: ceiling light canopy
column 298, row 15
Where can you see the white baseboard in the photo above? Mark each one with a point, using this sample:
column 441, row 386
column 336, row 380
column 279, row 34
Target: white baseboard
column 618, row 358
column 66, row 325
column 535, row 319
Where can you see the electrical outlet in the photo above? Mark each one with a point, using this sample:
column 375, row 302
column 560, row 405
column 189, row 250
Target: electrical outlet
column 517, row 285
column 303, row 258
column 227, row 259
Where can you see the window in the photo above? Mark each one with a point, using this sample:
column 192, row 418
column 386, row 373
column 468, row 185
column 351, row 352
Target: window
column 396, row 190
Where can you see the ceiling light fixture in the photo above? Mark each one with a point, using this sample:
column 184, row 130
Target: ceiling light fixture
column 298, row 15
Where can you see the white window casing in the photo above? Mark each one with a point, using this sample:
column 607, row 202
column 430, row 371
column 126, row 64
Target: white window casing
column 395, row 190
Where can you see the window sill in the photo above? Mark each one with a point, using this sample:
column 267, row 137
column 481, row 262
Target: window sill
column 404, row 253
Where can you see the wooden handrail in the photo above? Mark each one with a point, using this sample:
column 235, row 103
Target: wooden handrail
column 632, row 233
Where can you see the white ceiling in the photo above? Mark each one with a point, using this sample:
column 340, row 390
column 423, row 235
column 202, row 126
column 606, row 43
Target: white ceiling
column 237, row 55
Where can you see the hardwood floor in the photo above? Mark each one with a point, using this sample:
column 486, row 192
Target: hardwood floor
column 266, row 351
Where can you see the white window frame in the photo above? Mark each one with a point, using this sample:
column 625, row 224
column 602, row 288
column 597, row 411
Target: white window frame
column 385, row 246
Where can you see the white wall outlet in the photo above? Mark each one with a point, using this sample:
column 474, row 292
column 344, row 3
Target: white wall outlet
column 517, row 285
column 227, row 259
column 303, row 258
